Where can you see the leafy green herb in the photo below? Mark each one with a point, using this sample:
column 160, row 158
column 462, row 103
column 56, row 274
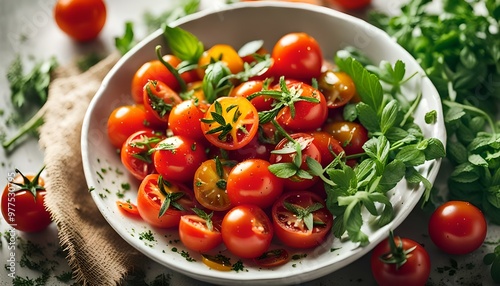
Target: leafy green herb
column 396, row 146
column 493, row 259
column 183, row 44
column 185, row 7
column 126, row 42
column 459, row 51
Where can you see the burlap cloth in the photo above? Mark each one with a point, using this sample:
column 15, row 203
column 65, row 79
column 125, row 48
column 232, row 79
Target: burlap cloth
column 96, row 253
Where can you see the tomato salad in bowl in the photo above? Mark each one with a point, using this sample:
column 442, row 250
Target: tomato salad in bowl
column 268, row 154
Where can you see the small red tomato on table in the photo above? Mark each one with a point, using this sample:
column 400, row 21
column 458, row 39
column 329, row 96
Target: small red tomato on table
column 82, row 20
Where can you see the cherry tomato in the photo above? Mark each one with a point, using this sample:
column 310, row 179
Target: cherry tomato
column 185, row 118
column 351, row 4
column 328, row 146
column 196, row 234
column 385, row 259
column 251, row 182
column 135, row 153
column 351, row 135
column 223, row 53
column 287, row 154
column 297, row 56
column 177, row 158
column 457, row 227
column 125, row 121
column 247, row 231
column 155, row 194
column 248, row 88
column 128, row 208
column 159, row 99
column 307, row 115
column 230, row 122
column 273, row 258
column 23, row 202
column 82, row 20
column 209, row 184
column 301, row 219
column 153, row 70
column 217, row 262
column 337, row 87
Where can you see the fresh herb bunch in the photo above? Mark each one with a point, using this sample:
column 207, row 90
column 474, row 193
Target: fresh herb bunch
column 460, row 51
column 395, row 148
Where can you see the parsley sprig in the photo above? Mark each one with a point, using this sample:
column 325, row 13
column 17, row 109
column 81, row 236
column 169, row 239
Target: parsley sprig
column 171, row 198
column 395, row 148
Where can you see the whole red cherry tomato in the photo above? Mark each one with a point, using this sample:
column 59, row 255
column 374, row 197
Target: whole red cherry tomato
column 82, row 20
column 251, row 182
column 247, row 231
column 23, row 202
column 297, row 56
column 351, row 4
column 124, row 121
column 400, row 261
column 457, row 227
column 184, row 119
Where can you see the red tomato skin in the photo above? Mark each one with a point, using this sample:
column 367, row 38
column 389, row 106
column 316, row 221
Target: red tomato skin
column 194, row 234
column 247, row 88
column 351, row 4
column 457, row 227
column 247, row 231
column 251, row 182
column 415, row 272
column 326, row 144
column 185, row 117
column 153, row 70
column 180, row 163
column 309, row 116
column 149, row 203
column 297, row 56
column 295, row 183
column 124, row 121
column 294, row 237
column 82, row 20
column 351, row 135
column 29, row 213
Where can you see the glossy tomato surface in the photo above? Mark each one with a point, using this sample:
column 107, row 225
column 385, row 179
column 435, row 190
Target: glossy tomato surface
column 351, row 135
column 210, row 184
column 82, row 20
column 124, row 121
column 457, row 227
column 195, row 234
column 135, row 152
column 153, row 192
column 247, row 231
column 23, row 207
column 414, row 272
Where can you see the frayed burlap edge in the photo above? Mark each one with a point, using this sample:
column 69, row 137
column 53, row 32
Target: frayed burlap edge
column 96, row 253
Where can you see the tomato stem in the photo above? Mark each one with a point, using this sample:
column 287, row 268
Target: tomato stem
column 170, row 68
column 31, row 125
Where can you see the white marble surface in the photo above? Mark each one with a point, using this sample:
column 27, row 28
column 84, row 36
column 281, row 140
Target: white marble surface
column 33, row 20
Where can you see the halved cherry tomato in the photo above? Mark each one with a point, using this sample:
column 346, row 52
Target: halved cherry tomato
column 351, row 135
column 247, row 231
column 135, row 153
column 128, row 208
column 273, row 258
column 124, row 121
column 251, row 182
column 457, row 227
column 159, row 99
column 161, row 203
column 287, row 153
column 297, row 56
column 230, row 122
column 154, row 70
column 177, row 158
column 220, row 52
column 301, row 219
column 196, row 234
column 248, row 88
column 185, row 118
column 337, row 87
column 209, row 184
column 217, row 262
column 82, row 20
column 23, row 202
column 306, row 116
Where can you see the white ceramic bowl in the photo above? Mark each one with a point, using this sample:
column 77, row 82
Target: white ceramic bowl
column 237, row 24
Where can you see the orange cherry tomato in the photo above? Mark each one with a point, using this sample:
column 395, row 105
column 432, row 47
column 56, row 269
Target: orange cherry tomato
column 82, row 20
column 220, row 52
